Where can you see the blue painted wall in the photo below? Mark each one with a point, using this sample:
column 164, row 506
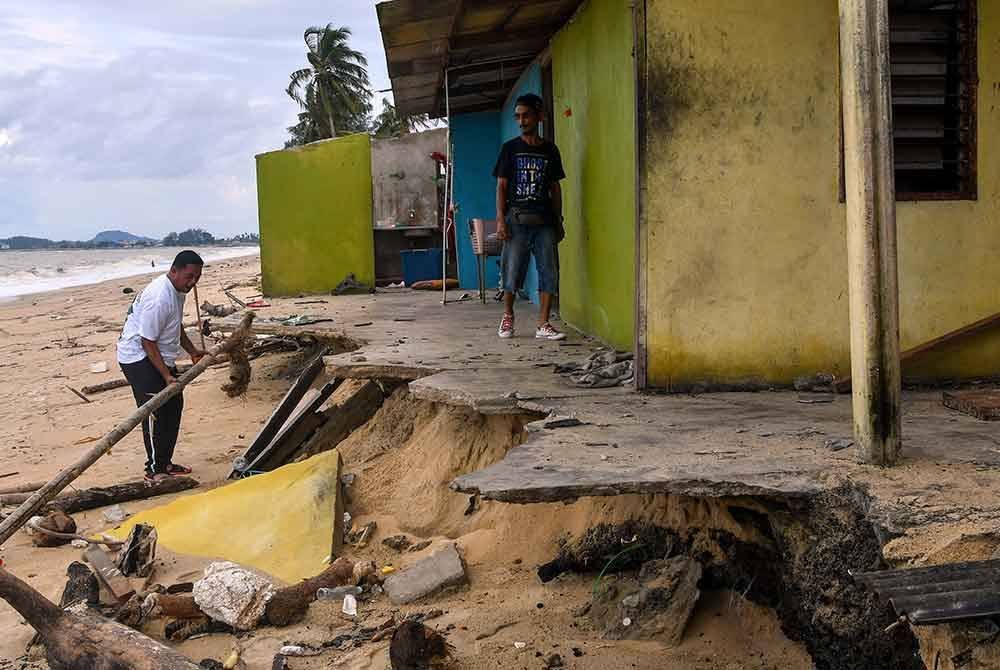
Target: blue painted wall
column 476, row 140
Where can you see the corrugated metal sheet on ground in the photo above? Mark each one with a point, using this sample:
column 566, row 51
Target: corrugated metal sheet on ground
column 939, row 593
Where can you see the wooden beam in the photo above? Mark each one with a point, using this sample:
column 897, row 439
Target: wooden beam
column 871, row 229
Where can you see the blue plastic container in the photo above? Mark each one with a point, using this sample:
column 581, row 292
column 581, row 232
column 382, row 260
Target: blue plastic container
column 421, row 265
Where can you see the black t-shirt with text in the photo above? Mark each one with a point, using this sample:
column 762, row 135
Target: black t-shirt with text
column 530, row 171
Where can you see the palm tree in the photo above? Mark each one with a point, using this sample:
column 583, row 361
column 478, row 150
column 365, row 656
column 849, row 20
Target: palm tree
column 334, row 90
column 389, row 123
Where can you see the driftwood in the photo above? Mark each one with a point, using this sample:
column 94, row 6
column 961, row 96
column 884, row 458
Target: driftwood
column 20, row 516
column 82, row 588
column 180, row 606
column 136, row 556
column 84, row 640
column 291, row 603
column 87, row 499
column 106, row 386
column 30, row 487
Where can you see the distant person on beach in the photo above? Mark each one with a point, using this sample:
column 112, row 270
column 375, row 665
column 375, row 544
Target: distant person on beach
column 529, row 215
column 150, row 343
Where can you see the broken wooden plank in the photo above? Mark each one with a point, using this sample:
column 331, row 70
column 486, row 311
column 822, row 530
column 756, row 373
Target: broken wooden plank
column 93, row 498
column 844, row 385
column 108, row 573
column 279, row 416
column 359, row 400
column 984, row 405
column 296, row 431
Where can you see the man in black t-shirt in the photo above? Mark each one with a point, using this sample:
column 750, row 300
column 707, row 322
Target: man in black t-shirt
column 529, row 215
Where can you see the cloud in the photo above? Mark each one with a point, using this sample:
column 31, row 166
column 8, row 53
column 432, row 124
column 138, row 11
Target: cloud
column 147, row 116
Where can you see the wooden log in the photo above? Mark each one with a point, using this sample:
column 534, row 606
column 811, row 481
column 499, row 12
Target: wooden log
column 873, row 284
column 83, row 640
column 290, row 604
column 105, row 386
column 96, row 497
column 108, row 573
column 30, row 487
column 31, row 506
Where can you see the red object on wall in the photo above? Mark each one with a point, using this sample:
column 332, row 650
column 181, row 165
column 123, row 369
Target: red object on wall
column 568, row 113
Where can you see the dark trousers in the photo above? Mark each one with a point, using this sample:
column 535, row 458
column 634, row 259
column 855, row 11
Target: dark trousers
column 159, row 431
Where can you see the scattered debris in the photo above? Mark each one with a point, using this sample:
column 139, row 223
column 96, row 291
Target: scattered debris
column 78, row 638
column 602, row 369
column 233, row 595
column 108, row 573
column 420, row 546
column 239, row 372
column 360, row 538
column 99, row 367
column 78, row 394
column 105, row 386
column 414, row 646
column 338, row 593
column 304, row 320
column 822, row 382
column 218, row 310
column 397, row 542
column 817, row 399
column 656, row 606
column 350, row 284
column 115, row 514
column 180, row 606
column 350, row 606
column 984, row 405
column 364, row 571
column 61, row 525
column 136, row 556
column 127, row 290
column 839, row 444
column 442, row 569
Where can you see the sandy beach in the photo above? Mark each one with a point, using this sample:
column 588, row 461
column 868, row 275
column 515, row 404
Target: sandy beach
column 49, row 341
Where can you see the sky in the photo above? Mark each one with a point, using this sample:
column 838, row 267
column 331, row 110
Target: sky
column 146, row 116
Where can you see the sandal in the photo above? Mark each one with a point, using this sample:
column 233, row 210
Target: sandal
column 174, row 469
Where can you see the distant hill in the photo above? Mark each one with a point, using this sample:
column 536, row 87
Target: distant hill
column 118, row 237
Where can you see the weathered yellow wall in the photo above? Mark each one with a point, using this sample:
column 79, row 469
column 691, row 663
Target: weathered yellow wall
column 315, row 213
column 593, row 78
column 747, row 269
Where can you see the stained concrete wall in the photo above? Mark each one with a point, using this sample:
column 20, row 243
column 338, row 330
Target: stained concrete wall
column 747, row 264
column 315, row 216
column 594, row 102
column 403, row 178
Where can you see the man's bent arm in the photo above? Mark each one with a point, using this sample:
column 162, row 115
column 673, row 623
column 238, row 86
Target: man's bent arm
column 153, row 354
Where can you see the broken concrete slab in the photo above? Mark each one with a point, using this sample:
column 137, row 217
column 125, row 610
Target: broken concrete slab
column 440, row 570
column 656, row 606
column 233, row 595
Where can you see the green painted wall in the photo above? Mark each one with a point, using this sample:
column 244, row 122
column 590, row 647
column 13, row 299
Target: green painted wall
column 594, row 103
column 315, row 214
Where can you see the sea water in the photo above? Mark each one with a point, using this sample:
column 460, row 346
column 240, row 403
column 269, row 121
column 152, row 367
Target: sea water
column 24, row 272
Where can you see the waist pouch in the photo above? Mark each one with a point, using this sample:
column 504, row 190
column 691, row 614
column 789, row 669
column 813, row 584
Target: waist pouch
column 527, row 217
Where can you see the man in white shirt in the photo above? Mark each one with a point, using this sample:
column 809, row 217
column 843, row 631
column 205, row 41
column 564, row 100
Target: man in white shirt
column 150, row 343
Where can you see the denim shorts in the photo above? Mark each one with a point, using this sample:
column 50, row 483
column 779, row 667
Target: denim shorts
column 523, row 242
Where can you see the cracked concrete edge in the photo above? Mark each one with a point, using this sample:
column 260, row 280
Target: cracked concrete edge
column 690, row 487
column 339, row 365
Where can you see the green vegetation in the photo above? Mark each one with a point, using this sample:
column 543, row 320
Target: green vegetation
column 335, row 93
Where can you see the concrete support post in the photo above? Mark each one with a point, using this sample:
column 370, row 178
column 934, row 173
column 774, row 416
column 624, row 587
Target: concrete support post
column 871, row 228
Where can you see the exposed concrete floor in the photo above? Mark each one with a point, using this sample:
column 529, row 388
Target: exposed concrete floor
column 760, row 444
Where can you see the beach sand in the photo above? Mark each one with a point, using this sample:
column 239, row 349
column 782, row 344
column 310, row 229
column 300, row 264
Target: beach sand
column 49, row 341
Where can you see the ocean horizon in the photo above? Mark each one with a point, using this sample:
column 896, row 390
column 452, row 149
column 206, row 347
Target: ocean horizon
column 24, row 272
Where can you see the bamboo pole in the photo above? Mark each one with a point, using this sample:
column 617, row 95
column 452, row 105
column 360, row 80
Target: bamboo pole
column 871, row 229
column 22, row 514
column 197, row 313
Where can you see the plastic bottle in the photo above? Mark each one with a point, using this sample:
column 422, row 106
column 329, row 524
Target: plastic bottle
column 337, row 593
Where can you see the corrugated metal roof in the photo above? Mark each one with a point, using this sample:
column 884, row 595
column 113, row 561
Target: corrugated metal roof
column 490, row 42
column 939, row 593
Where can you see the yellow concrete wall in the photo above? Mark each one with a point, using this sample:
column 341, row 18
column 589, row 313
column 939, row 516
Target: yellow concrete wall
column 315, row 213
column 593, row 81
column 746, row 268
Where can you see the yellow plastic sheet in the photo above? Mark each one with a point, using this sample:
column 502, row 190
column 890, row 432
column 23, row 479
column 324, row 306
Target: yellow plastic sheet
column 280, row 522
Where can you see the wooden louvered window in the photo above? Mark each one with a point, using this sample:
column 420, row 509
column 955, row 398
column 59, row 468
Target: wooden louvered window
column 934, row 82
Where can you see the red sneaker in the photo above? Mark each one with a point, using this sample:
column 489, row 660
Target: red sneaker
column 547, row 332
column 506, row 330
